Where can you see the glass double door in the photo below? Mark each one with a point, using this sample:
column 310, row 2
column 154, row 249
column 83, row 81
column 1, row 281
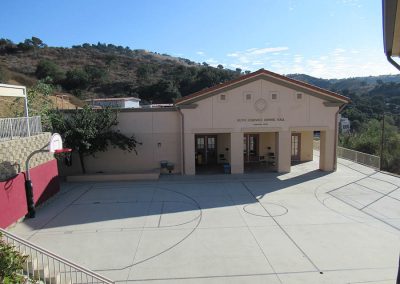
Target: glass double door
column 295, row 146
column 250, row 147
column 206, row 149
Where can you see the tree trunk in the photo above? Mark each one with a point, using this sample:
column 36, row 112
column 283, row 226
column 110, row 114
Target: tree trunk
column 82, row 163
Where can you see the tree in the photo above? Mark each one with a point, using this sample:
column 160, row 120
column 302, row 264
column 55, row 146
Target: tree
column 48, row 68
column 96, row 75
column 39, row 103
column 143, row 72
column 76, row 79
column 7, row 46
column 368, row 140
column 220, row 66
column 88, row 131
column 25, row 46
column 37, row 42
column 161, row 92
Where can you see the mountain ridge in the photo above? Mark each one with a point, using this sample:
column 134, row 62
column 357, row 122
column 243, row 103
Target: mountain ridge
column 105, row 70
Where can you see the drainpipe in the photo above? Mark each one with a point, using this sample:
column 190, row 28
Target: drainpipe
column 394, row 63
column 182, row 140
column 337, row 135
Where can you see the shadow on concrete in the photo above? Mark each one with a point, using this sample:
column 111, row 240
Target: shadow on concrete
column 107, row 201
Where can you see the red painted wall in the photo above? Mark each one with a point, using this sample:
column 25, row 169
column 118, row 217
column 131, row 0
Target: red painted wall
column 13, row 204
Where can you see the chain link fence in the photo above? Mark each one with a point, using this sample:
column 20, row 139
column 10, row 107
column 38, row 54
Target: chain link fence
column 12, row 128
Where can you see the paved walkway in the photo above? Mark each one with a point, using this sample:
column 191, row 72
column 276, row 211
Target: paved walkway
column 303, row 227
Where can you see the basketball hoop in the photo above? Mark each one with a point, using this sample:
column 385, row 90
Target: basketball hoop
column 65, row 153
column 55, row 143
column 55, row 146
column 63, row 150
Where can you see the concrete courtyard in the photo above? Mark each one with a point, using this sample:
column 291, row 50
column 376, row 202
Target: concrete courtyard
column 303, row 227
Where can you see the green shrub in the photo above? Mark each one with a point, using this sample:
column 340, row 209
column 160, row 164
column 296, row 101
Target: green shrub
column 11, row 263
column 48, row 68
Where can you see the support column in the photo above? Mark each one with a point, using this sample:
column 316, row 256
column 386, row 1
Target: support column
column 284, row 151
column 190, row 166
column 236, row 150
column 327, row 157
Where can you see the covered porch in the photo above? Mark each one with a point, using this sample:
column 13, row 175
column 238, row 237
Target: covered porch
column 256, row 151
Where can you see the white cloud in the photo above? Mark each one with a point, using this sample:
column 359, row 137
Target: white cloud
column 254, row 56
column 244, row 59
column 338, row 62
column 338, row 51
column 202, row 53
column 211, row 60
column 234, row 66
column 259, row 51
column 298, row 59
column 251, row 49
column 354, row 3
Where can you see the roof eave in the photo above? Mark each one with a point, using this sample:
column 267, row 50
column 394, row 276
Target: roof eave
column 260, row 75
column 391, row 27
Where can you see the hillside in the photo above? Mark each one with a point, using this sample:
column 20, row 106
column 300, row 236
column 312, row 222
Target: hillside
column 106, row 70
column 102, row 70
column 371, row 96
column 357, row 85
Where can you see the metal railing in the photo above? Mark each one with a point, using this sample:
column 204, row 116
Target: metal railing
column 46, row 267
column 355, row 156
column 12, row 128
column 359, row 157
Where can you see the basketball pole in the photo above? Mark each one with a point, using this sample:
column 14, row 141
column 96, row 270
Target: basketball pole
column 54, row 146
column 28, row 184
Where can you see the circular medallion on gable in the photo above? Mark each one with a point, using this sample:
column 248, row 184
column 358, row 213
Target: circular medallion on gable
column 260, row 105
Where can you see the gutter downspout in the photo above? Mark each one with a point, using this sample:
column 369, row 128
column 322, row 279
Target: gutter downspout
column 182, row 140
column 337, row 135
column 394, row 63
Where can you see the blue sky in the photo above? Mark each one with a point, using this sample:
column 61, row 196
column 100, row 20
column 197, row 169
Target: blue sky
column 322, row 38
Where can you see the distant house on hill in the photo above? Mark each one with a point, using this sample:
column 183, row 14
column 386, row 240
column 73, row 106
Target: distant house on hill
column 130, row 102
column 344, row 124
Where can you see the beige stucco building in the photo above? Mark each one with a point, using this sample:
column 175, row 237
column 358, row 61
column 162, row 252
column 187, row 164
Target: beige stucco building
column 261, row 121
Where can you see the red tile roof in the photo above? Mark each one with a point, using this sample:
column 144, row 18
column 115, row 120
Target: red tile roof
column 262, row 72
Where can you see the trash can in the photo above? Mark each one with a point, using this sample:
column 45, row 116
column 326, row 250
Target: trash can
column 227, row 168
column 163, row 164
column 170, row 167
